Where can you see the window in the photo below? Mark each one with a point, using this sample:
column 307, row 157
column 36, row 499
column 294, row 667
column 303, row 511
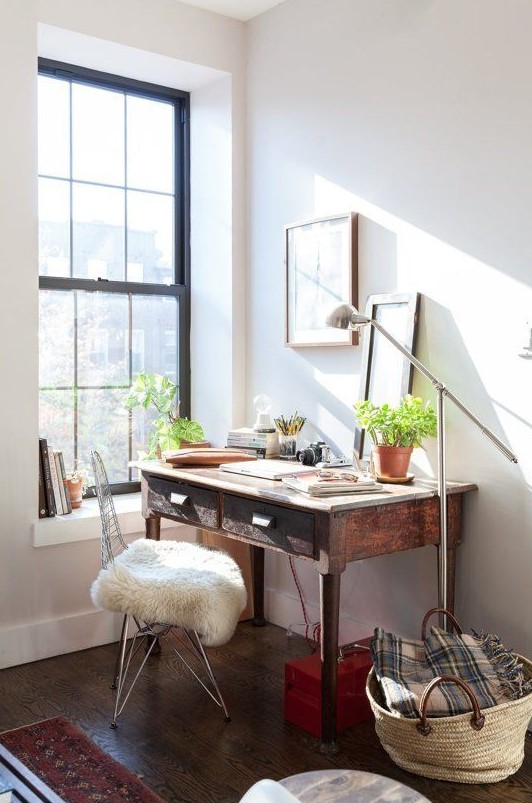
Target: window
column 113, row 257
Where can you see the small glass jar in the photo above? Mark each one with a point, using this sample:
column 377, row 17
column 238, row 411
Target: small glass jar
column 287, row 447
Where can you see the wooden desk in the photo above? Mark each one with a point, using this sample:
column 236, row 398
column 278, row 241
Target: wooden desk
column 329, row 533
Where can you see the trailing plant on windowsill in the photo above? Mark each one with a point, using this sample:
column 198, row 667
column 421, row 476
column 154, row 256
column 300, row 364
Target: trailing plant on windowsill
column 169, row 427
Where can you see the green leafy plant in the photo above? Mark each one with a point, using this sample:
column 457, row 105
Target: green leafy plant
column 404, row 425
column 170, row 428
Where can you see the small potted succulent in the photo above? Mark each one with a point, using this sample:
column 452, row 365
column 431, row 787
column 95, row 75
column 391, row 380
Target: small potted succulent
column 171, row 430
column 76, row 483
column 395, row 431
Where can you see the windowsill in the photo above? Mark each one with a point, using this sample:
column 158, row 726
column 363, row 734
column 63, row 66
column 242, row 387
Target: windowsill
column 83, row 524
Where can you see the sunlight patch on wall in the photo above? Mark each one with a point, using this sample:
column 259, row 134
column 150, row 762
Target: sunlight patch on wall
column 469, row 287
column 474, row 317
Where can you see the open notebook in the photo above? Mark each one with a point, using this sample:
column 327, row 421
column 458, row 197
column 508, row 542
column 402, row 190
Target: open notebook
column 332, row 483
column 268, row 469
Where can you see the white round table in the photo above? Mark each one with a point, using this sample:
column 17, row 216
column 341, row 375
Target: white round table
column 345, row 786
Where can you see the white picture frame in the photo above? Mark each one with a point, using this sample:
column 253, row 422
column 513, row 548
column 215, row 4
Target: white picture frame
column 321, row 272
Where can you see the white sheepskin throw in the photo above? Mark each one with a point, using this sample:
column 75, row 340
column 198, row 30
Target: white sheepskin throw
column 175, row 583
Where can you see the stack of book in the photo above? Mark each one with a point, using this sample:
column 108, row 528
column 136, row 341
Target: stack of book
column 258, row 444
column 54, row 498
column 332, row 482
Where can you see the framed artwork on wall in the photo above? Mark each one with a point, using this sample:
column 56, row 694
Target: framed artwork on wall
column 386, row 375
column 321, row 272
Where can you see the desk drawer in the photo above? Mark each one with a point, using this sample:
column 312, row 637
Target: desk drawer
column 188, row 503
column 290, row 530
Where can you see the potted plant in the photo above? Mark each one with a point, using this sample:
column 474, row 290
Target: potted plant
column 171, row 429
column 76, row 483
column 395, row 431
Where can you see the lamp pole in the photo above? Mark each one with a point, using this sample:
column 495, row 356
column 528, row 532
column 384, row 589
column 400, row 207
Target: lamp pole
column 347, row 317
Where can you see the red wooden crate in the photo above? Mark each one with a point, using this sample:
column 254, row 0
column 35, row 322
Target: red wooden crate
column 302, row 695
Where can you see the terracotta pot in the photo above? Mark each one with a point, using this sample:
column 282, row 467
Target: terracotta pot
column 75, row 490
column 391, row 461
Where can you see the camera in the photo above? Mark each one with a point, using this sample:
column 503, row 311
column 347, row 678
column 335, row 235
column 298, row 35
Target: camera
column 317, row 452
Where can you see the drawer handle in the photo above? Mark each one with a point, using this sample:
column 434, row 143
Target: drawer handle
column 262, row 520
column 179, row 499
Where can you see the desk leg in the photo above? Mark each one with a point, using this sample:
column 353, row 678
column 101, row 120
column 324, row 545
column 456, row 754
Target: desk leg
column 153, row 531
column 153, row 528
column 257, row 564
column 329, row 615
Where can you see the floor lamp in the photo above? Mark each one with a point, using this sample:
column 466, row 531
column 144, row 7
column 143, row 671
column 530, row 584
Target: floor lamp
column 346, row 316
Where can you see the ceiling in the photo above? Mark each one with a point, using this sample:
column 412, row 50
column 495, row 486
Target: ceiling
column 238, row 9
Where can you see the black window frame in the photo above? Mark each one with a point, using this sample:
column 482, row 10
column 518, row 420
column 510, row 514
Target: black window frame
column 180, row 288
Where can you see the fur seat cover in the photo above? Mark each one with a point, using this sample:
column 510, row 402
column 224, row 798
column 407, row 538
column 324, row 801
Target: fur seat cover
column 175, row 583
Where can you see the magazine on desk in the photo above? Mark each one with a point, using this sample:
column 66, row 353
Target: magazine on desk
column 332, row 482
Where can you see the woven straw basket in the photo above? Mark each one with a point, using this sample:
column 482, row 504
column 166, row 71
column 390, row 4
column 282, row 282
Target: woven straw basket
column 480, row 748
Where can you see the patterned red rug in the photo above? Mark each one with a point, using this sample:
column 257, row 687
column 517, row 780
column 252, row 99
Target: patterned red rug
column 72, row 765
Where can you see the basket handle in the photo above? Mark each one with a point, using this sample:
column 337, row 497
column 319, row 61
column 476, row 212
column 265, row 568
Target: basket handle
column 447, row 613
column 477, row 720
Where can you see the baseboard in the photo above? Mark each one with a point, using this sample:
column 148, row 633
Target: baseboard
column 25, row 643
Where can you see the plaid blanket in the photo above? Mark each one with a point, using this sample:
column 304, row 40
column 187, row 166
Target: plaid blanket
column 404, row 668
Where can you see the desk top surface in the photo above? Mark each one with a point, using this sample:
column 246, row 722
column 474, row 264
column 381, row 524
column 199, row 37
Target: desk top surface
column 276, row 491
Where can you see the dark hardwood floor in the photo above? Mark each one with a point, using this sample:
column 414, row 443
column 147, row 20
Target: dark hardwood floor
column 174, row 737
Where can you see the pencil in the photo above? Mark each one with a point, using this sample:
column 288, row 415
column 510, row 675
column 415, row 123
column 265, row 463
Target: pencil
column 290, row 426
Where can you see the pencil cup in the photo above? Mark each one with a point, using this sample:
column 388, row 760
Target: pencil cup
column 287, row 447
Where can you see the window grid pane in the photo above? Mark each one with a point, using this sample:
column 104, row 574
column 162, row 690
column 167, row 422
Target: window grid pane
column 107, row 207
column 54, row 127
column 150, row 145
column 54, row 227
column 98, row 135
column 98, row 233
column 94, row 195
column 92, row 344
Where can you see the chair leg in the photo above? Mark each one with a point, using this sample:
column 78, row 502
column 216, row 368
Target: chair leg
column 125, row 658
column 187, row 641
column 154, row 649
column 194, row 646
column 118, row 652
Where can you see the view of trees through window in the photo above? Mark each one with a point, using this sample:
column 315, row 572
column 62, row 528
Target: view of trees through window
column 112, row 258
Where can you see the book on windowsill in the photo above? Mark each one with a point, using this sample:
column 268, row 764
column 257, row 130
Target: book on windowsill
column 43, row 508
column 55, row 481
column 61, row 474
column 332, row 482
column 48, row 489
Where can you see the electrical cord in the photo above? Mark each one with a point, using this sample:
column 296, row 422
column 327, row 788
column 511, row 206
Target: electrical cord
column 313, row 640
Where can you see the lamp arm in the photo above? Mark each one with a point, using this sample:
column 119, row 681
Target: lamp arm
column 444, row 391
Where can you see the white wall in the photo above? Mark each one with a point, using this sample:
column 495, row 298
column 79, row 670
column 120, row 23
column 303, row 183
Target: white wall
column 416, row 115
column 44, row 602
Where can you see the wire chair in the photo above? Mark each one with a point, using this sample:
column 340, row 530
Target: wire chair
column 185, row 641
column 112, row 542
